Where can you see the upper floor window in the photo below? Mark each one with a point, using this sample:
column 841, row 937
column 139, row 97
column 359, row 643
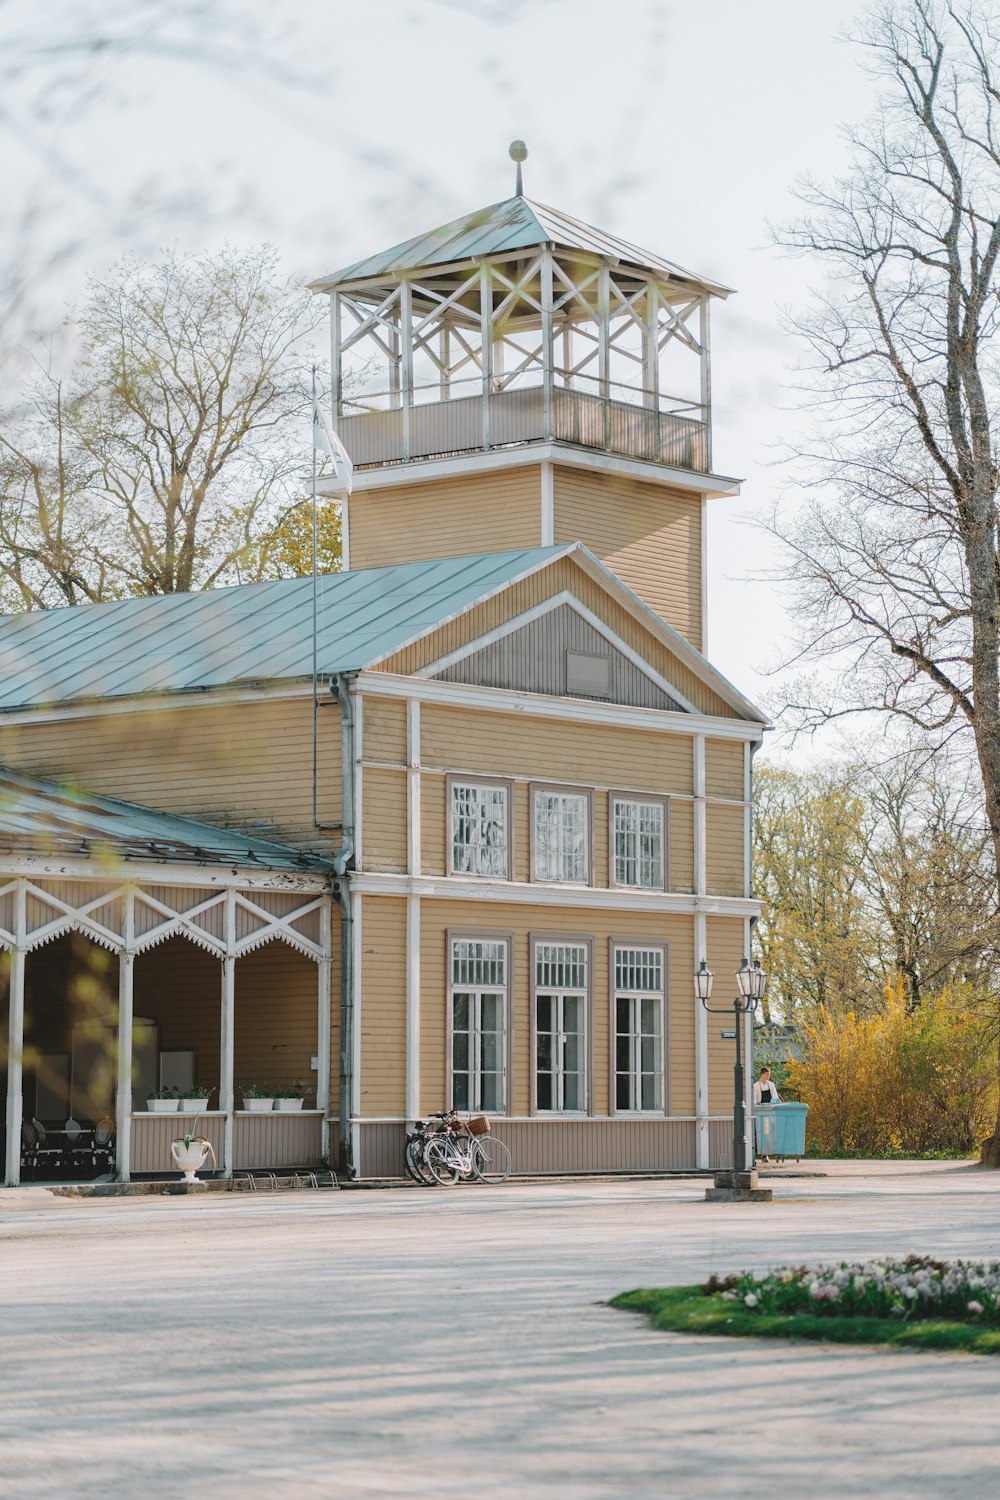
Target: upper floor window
column 638, row 842
column 479, row 828
column 561, row 835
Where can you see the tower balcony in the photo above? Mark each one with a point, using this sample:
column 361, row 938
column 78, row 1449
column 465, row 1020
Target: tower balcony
column 377, row 433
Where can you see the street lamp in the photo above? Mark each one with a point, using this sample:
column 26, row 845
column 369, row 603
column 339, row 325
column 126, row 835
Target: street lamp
column 751, row 981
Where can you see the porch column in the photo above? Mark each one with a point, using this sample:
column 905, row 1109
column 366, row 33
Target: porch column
column 226, row 1072
column 15, row 1041
column 123, row 1081
column 323, row 1020
column 700, row 952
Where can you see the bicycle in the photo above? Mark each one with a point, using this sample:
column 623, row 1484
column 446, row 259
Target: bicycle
column 467, row 1150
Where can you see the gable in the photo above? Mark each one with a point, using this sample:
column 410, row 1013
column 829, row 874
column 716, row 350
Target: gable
column 559, row 651
column 562, row 575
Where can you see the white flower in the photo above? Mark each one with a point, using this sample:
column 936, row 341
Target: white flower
column 751, row 1299
column 975, row 1308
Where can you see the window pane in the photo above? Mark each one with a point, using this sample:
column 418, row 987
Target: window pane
column 623, row 1010
column 460, row 1051
column 561, row 836
column 648, row 1098
column 544, row 1091
column 650, row 1017
column 460, row 1091
column 490, row 1013
column 461, row 1012
column 623, row 1054
column 622, row 1099
column 543, row 1012
column 647, row 1054
column 571, row 1092
column 571, row 1053
column 490, row 1099
column 479, row 830
column 544, row 1051
column 572, row 1013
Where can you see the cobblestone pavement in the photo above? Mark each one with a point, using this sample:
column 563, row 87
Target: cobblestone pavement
column 454, row 1343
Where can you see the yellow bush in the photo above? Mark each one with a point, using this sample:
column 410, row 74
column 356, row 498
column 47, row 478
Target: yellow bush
column 897, row 1081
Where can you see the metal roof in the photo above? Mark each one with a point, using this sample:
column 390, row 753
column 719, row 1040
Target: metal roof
column 42, row 817
column 259, row 632
column 514, row 224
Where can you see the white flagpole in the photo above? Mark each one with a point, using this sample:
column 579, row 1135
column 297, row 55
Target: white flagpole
column 315, row 614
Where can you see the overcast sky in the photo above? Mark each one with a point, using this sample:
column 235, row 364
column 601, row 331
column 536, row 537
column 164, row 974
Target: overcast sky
column 334, row 128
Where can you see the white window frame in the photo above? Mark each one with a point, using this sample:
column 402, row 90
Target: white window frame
column 555, row 949
column 568, row 793
column 633, row 994
column 483, row 950
column 479, row 784
column 637, row 800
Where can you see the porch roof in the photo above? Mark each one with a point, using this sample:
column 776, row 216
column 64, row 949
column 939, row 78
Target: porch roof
column 241, row 636
column 44, row 817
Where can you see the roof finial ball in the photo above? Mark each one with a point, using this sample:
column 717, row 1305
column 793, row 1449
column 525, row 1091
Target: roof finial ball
column 518, row 152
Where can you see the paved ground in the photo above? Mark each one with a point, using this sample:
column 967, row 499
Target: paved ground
column 453, row 1343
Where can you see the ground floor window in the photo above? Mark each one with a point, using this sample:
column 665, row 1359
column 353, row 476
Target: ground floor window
column 478, row 1024
column 638, row 1010
column 560, row 1025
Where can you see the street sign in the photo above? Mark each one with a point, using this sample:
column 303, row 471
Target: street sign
column 728, row 1036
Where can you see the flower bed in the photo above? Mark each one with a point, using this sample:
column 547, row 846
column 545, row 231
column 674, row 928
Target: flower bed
column 918, row 1302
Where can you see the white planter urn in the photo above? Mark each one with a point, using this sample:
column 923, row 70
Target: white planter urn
column 162, row 1106
column 287, row 1106
column 189, row 1158
column 258, row 1106
column 193, row 1106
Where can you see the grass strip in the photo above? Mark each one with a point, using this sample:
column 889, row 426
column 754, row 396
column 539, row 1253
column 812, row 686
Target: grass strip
column 686, row 1309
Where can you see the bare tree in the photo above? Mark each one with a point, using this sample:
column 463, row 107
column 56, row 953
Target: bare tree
column 895, row 558
column 165, row 462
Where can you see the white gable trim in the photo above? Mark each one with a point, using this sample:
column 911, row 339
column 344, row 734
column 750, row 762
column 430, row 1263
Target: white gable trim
column 564, row 597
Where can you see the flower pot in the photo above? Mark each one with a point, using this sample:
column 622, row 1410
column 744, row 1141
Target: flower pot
column 193, row 1106
column 258, row 1106
column 189, row 1158
column 287, row 1106
column 162, row 1106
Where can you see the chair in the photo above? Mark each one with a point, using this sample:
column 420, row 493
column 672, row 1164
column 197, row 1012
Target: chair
column 103, row 1148
column 36, row 1147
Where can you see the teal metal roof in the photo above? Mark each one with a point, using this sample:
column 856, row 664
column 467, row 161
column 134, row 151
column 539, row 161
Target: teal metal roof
column 42, row 817
column 259, row 632
column 515, row 224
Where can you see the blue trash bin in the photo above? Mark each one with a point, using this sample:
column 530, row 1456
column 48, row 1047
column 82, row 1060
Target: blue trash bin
column 781, row 1129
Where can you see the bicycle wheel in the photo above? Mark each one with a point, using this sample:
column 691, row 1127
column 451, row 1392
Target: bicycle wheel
column 440, row 1163
column 413, row 1158
column 490, row 1160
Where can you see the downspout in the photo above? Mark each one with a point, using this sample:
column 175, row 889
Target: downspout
column 343, row 863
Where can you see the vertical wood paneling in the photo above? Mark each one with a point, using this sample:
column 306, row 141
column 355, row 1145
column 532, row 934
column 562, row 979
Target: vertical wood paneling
column 533, row 660
column 153, row 1134
column 724, row 768
column 279, row 1139
column 724, row 849
column 384, row 816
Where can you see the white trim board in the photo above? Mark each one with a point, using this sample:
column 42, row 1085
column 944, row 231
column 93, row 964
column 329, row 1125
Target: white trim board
column 527, row 455
column 531, row 893
column 545, row 706
column 564, row 597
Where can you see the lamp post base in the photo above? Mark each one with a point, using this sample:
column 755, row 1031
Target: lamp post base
column 737, row 1187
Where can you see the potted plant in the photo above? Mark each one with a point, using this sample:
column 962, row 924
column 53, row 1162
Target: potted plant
column 290, row 1098
column 190, row 1152
column 164, row 1101
column 194, row 1099
column 257, row 1101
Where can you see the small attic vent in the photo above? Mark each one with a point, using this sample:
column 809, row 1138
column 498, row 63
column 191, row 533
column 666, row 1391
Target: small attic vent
column 588, row 676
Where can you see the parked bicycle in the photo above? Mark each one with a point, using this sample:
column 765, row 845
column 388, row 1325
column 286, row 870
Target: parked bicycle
column 454, row 1148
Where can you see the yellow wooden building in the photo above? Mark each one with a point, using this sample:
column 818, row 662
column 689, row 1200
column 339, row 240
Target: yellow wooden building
column 476, row 858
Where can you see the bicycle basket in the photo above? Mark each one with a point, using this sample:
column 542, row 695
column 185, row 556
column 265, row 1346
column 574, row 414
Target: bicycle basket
column 478, row 1125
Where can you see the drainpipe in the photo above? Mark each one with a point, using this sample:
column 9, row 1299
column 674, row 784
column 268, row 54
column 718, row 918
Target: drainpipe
column 343, row 862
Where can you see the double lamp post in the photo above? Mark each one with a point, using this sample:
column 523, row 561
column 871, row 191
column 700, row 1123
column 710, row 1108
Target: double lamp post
column 752, row 982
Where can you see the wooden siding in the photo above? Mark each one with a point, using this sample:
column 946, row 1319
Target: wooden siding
column 383, row 829
column 564, row 573
column 724, row 837
column 384, row 730
column 724, row 768
column 438, row 916
column 682, row 845
column 725, row 955
column 383, row 1005
column 551, row 1147
column 277, row 1017
column 533, row 660
column 236, row 765
column 647, row 534
column 464, row 739
column 491, row 512
column 279, row 1139
column 153, row 1134
column 433, row 823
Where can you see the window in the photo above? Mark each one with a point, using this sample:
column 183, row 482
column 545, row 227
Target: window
column 478, row 828
column 638, row 1003
column 561, row 835
column 638, row 842
column 560, row 1025
column 478, row 1024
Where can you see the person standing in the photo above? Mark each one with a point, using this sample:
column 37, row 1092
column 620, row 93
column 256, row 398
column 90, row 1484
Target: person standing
column 764, row 1092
